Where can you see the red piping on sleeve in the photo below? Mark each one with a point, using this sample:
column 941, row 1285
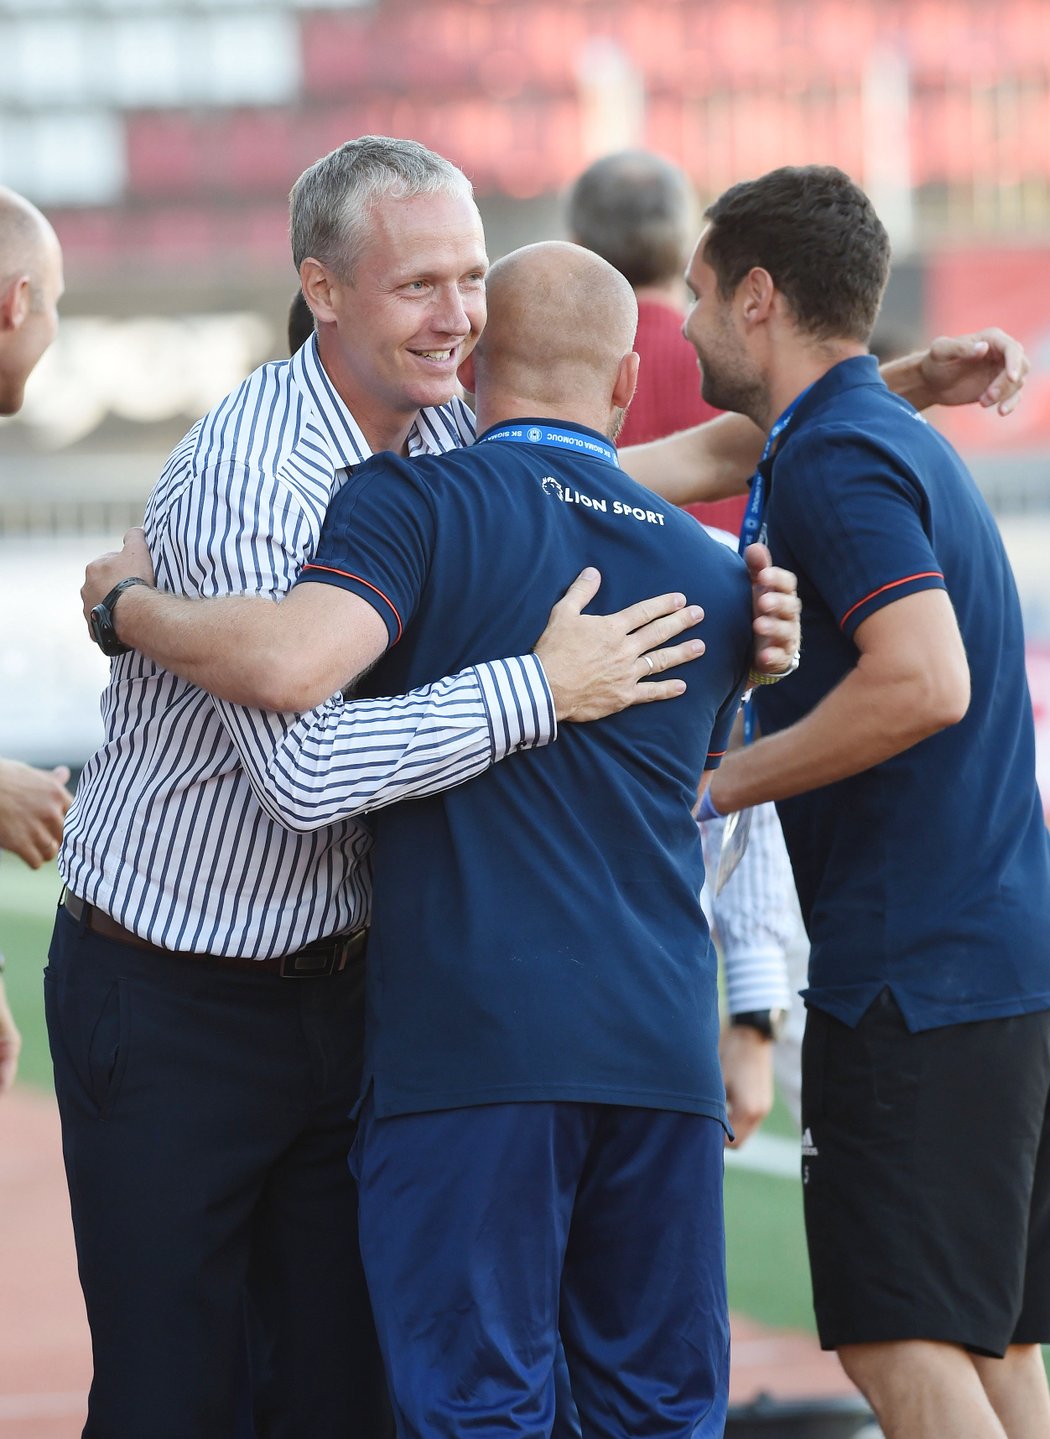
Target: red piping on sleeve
column 331, row 569
column 924, row 575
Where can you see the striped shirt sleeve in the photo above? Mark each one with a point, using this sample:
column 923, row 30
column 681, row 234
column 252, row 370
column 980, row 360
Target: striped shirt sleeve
column 756, row 917
column 249, row 527
column 349, row 757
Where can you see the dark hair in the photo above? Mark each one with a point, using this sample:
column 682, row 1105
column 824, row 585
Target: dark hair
column 632, row 209
column 817, row 234
column 300, row 322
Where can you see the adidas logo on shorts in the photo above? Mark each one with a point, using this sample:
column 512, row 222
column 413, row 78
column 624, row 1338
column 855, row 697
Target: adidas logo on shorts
column 809, row 1149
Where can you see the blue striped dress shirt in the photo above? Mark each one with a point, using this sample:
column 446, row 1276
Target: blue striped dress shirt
column 756, row 920
column 176, row 829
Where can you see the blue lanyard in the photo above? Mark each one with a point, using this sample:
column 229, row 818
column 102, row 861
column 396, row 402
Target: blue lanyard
column 753, row 525
column 571, row 440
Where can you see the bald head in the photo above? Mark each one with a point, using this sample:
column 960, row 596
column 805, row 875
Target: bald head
column 30, row 288
column 560, row 323
column 25, row 234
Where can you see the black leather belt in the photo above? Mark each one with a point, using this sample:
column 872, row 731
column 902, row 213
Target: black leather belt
column 315, row 961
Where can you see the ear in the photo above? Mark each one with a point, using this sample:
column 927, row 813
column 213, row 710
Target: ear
column 758, row 295
column 626, row 381
column 14, row 303
column 318, row 284
column 465, row 375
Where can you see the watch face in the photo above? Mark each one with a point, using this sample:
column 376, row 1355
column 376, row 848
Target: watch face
column 103, row 633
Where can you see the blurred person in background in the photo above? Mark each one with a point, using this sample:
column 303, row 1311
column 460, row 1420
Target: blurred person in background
column 636, row 210
column 33, row 802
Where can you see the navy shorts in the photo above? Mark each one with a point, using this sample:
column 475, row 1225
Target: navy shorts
column 926, row 1179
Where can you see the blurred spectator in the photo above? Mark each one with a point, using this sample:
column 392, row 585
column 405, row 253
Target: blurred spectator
column 633, row 208
column 33, row 802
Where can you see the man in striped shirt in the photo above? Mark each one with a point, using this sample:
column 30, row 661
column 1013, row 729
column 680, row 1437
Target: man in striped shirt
column 204, row 990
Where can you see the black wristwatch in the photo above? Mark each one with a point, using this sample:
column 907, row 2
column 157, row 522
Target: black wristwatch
column 768, row 1022
column 103, row 631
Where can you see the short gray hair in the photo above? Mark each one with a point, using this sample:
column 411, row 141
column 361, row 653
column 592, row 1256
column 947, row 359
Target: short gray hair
column 632, row 208
column 331, row 202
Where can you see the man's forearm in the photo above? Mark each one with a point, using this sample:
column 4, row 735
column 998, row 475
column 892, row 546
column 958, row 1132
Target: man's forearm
column 905, row 377
column 987, row 367
column 754, row 916
column 715, row 460
column 866, row 719
column 237, row 646
column 348, row 758
column 712, row 461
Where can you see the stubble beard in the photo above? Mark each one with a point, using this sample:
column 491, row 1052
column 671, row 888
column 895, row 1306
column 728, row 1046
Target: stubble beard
column 617, row 420
column 738, row 393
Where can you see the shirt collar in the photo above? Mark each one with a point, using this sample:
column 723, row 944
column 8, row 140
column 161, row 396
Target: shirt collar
column 851, row 374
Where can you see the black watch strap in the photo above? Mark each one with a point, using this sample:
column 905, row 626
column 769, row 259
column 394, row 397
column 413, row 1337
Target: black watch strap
column 103, row 630
column 768, row 1022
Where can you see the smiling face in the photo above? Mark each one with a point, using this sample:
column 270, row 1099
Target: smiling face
column 393, row 335
column 731, row 380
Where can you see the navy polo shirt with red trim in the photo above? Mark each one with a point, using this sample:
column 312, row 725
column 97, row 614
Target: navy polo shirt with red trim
column 537, row 932
column 929, row 873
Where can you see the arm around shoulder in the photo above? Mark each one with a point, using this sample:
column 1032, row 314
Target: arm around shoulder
column 712, row 461
column 287, row 656
column 987, row 368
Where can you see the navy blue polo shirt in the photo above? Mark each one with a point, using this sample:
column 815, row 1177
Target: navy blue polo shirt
column 537, row 932
column 929, row 873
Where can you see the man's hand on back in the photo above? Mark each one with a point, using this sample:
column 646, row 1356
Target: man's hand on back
column 778, row 632
column 597, row 665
